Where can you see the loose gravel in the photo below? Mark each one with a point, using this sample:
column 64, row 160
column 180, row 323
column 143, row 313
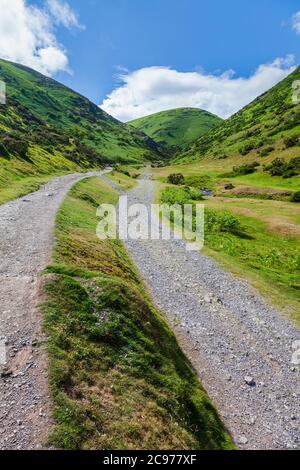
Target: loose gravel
column 26, row 238
column 240, row 346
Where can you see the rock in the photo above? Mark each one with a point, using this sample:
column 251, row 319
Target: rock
column 250, row 381
column 6, row 373
column 208, row 299
column 243, row 440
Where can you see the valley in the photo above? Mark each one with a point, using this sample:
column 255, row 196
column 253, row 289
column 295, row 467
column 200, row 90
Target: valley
column 142, row 344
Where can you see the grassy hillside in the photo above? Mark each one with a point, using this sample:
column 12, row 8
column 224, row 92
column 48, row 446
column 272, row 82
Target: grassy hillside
column 119, row 379
column 47, row 128
column 268, row 125
column 177, row 127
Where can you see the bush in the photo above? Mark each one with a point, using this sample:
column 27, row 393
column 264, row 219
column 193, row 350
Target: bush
column 3, row 151
column 265, row 152
column 228, row 186
column 195, row 194
column 280, row 167
column 176, row 178
column 243, row 170
column 16, row 146
column 221, row 222
column 175, row 196
column 200, row 181
column 291, row 141
column 246, row 149
column 295, row 197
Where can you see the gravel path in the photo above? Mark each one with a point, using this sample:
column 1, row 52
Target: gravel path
column 240, row 346
column 26, row 234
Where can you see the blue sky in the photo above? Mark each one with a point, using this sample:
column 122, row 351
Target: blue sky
column 184, row 34
column 208, row 37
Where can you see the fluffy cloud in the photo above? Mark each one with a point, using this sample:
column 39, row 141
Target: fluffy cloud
column 296, row 22
column 152, row 89
column 27, row 34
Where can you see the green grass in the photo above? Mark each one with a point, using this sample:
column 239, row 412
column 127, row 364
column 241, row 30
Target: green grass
column 248, row 247
column 19, row 177
column 270, row 261
column 124, row 181
column 177, row 127
column 213, row 171
column 118, row 377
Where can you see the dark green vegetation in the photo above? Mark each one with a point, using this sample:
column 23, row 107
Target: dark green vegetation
column 279, row 167
column 177, row 127
column 215, row 221
column 295, row 197
column 118, row 378
column 244, row 237
column 246, row 169
column 269, row 123
column 46, row 128
column 176, row 178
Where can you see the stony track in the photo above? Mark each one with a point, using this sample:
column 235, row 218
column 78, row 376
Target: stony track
column 240, row 346
column 26, row 239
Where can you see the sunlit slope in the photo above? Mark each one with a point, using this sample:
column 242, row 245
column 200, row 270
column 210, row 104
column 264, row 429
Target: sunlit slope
column 177, row 127
column 267, row 125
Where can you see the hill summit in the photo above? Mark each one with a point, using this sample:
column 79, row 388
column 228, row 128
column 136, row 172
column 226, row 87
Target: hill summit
column 177, row 127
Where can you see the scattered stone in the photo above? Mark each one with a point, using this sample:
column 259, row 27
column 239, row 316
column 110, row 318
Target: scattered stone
column 250, row 381
column 208, row 299
column 6, row 373
column 243, row 440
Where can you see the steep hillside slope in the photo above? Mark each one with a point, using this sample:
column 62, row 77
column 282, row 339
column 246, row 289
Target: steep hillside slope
column 177, row 127
column 43, row 117
column 268, row 124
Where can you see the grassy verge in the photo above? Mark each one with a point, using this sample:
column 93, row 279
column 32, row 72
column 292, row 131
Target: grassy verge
column 118, row 378
column 125, row 181
column 19, row 177
column 248, row 247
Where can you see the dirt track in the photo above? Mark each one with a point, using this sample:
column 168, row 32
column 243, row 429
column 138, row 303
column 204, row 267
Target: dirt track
column 26, row 238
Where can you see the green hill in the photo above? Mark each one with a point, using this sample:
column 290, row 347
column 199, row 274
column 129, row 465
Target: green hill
column 177, row 127
column 268, row 124
column 45, row 127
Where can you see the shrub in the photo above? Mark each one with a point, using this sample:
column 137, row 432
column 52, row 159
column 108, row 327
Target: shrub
column 3, row 151
column 176, row 178
column 195, row 194
column 172, row 196
column 200, row 181
column 229, row 186
column 246, row 149
column 221, row 222
column 280, row 167
column 291, row 141
column 295, row 197
column 243, row 170
column 265, row 152
column 17, row 146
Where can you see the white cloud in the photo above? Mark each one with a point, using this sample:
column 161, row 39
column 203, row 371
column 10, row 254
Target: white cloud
column 152, row 89
column 296, row 22
column 27, row 36
column 63, row 14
